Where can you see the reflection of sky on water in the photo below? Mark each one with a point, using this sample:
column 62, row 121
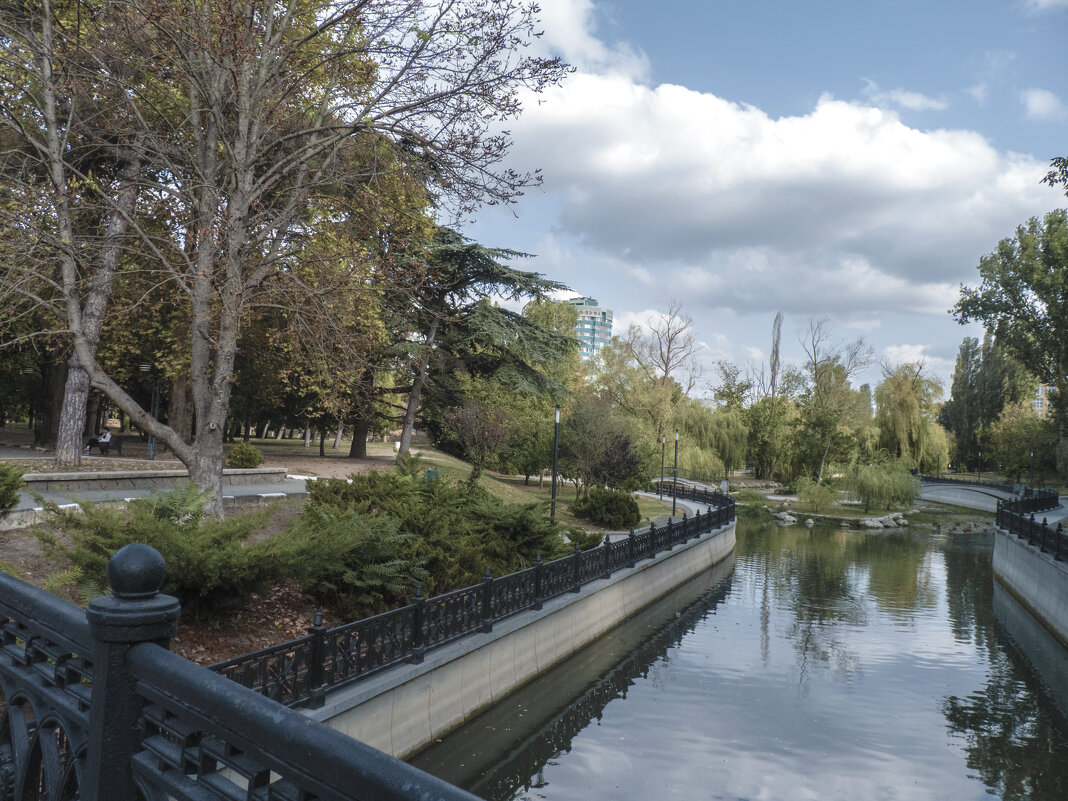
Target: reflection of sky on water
column 819, row 676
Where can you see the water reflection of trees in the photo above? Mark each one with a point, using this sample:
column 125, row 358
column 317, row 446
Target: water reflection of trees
column 1014, row 740
column 1014, row 743
column 825, row 578
column 969, row 586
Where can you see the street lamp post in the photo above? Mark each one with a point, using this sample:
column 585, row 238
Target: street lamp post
column 31, row 374
column 980, row 465
column 663, row 444
column 556, row 455
column 675, row 474
column 153, row 409
column 1031, row 480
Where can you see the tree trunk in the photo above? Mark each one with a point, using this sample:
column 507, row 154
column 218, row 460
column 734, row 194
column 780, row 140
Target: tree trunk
column 69, row 442
column 281, row 433
column 823, row 459
column 417, row 389
column 337, row 437
column 50, row 411
column 358, row 449
column 205, row 468
column 93, row 423
column 87, row 322
column 322, row 441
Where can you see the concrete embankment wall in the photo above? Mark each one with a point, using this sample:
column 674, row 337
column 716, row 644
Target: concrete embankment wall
column 1036, row 579
column 409, row 706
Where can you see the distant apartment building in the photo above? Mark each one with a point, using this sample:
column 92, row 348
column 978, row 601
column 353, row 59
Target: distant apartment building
column 1042, row 400
column 594, row 327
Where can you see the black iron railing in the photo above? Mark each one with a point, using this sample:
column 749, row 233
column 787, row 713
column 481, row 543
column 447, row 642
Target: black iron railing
column 302, row 671
column 996, row 485
column 1018, row 517
column 95, row 708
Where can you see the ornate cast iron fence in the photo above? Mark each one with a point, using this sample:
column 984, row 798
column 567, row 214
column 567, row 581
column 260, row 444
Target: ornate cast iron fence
column 1018, row 517
column 300, row 672
column 95, row 708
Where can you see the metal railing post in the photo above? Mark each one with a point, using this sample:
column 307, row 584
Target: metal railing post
column 630, row 550
column 487, row 601
column 317, row 663
column 135, row 612
column 539, row 569
column 604, row 547
column 1060, row 540
column 418, row 624
column 575, row 557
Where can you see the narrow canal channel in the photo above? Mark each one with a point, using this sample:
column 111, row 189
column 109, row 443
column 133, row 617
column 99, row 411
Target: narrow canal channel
column 818, row 663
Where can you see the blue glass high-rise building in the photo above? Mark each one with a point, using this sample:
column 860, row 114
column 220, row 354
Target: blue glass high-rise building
column 594, row 327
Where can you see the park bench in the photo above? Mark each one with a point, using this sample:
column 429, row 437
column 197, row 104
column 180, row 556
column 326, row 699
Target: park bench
column 106, row 447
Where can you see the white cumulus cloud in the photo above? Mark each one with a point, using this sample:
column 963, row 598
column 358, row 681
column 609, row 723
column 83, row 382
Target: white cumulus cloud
column 1043, row 104
column 902, row 98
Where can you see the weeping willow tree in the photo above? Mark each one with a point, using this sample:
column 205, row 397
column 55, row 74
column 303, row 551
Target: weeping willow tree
column 712, row 443
column 905, row 409
column 700, row 464
column 883, row 483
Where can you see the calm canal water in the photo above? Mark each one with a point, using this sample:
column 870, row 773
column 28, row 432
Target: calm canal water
column 818, row 664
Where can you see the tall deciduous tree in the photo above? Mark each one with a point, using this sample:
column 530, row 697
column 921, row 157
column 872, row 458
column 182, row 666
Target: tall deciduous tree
column 237, row 116
column 1023, row 300
column 666, row 349
column 829, row 367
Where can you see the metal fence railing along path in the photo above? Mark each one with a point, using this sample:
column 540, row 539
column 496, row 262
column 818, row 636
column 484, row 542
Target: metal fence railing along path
column 995, row 485
column 1018, row 518
column 95, row 708
column 301, row 672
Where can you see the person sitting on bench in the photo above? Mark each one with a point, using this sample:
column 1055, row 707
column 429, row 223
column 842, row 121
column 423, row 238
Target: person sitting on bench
column 103, row 443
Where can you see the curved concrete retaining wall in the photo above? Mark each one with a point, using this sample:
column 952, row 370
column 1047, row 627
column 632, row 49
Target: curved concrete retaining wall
column 404, row 708
column 1037, row 580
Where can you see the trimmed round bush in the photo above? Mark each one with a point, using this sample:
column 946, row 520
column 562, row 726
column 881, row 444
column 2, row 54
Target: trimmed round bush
column 245, row 454
column 614, row 508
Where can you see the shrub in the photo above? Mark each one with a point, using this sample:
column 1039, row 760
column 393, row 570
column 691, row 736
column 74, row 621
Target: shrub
column 613, row 508
column 458, row 529
column 749, row 495
column 817, row 497
column 363, row 564
column 10, row 481
column 583, row 539
column 208, row 566
column 245, row 455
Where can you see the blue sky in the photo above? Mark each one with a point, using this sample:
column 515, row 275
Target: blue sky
column 847, row 160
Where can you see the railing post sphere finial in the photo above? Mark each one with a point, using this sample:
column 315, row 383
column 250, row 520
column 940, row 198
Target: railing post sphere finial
column 136, row 572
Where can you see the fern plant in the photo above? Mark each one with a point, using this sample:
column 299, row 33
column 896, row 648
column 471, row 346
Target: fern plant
column 73, row 585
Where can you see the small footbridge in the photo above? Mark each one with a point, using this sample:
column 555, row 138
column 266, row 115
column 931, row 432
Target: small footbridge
column 982, row 495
